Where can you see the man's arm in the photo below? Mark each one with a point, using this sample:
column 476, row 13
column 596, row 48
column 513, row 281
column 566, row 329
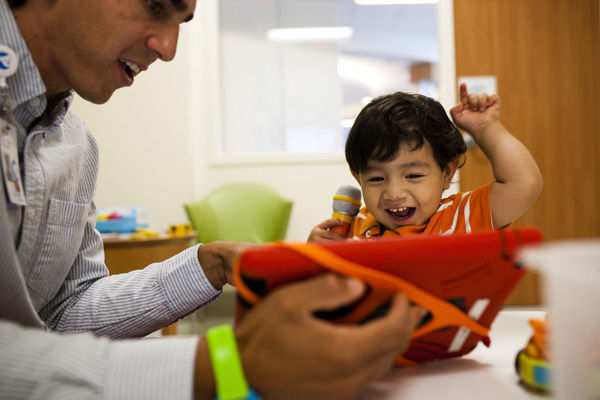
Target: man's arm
column 132, row 304
column 286, row 353
column 37, row 364
column 518, row 180
column 142, row 301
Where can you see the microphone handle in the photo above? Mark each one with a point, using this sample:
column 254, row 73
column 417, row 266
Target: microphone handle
column 345, row 227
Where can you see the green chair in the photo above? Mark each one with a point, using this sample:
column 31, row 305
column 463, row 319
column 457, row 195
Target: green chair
column 245, row 212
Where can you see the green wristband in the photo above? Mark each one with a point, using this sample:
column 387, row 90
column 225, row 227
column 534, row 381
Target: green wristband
column 227, row 366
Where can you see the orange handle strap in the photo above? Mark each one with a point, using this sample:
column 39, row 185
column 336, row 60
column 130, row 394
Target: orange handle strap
column 443, row 313
column 243, row 290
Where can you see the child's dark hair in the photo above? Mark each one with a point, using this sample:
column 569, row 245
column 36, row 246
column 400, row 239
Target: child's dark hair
column 402, row 119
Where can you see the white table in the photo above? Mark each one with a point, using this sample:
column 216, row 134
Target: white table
column 485, row 373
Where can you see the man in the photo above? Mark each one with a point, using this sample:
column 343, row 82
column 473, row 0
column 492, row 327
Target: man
column 53, row 276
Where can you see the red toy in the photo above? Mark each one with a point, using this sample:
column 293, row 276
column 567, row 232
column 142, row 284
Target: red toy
column 462, row 280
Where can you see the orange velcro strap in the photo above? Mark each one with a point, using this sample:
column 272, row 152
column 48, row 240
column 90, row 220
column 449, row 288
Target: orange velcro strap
column 384, row 284
column 443, row 313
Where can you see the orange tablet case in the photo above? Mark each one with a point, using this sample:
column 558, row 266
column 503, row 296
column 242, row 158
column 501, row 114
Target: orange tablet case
column 463, row 281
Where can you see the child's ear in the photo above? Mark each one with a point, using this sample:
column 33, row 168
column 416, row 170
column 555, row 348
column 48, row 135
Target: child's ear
column 355, row 175
column 449, row 172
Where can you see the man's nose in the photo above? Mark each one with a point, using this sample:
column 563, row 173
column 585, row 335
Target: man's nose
column 163, row 43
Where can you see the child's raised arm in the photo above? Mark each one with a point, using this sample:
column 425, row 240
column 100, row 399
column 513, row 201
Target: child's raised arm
column 518, row 178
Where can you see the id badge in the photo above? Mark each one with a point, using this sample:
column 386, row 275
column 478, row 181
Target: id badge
column 11, row 170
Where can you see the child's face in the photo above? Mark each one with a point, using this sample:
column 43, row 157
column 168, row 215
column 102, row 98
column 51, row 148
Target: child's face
column 406, row 190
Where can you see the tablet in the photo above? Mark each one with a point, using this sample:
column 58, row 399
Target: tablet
column 462, row 280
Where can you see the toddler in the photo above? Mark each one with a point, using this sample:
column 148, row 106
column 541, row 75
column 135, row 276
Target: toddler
column 403, row 150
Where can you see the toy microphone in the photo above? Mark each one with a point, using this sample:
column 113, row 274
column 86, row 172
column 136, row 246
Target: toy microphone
column 346, row 203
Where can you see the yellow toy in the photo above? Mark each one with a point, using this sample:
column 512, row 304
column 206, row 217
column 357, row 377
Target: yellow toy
column 180, row 229
column 533, row 363
column 143, row 233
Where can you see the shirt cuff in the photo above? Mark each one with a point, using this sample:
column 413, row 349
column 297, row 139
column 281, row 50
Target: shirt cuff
column 185, row 285
column 152, row 368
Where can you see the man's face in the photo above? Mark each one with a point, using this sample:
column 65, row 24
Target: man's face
column 406, row 190
column 98, row 46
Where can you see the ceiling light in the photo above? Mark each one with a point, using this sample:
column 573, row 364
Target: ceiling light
column 389, row 2
column 310, row 34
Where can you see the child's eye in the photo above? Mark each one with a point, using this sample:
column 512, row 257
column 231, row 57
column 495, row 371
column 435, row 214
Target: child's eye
column 414, row 176
column 375, row 179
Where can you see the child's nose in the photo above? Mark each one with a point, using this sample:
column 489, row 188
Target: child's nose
column 395, row 191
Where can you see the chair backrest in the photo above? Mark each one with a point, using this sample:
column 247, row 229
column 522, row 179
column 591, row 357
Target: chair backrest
column 247, row 212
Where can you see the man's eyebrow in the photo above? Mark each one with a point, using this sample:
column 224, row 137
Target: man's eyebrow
column 181, row 6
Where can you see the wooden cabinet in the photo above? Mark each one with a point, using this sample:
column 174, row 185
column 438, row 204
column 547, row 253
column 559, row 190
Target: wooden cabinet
column 546, row 57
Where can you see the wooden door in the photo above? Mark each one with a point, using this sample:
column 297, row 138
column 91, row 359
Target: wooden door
column 546, row 57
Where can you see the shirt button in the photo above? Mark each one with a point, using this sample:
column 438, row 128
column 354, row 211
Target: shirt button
column 368, row 234
column 35, row 102
column 32, row 213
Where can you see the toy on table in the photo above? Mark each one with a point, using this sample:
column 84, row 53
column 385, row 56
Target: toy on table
column 143, row 233
column 178, row 230
column 121, row 219
column 533, row 363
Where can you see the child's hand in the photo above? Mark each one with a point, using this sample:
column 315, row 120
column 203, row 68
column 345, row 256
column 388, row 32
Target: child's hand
column 322, row 231
column 475, row 111
column 517, row 178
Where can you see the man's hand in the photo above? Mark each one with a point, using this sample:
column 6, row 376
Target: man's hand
column 217, row 259
column 289, row 354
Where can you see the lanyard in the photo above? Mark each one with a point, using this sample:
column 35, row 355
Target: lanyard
column 11, row 171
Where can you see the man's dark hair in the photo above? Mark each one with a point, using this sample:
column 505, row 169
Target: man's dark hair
column 16, row 3
column 390, row 121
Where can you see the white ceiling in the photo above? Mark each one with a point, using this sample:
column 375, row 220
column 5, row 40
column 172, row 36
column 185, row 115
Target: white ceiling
column 391, row 32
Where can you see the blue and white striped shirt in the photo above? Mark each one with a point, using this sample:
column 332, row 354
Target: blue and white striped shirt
column 53, row 276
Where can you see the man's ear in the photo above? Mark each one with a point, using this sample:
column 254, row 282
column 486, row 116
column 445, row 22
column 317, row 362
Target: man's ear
column 355, row 175
column 449, row 172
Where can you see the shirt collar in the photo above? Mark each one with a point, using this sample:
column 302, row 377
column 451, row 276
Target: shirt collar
column 26, row 87
column 369, row 224
column 26, row 83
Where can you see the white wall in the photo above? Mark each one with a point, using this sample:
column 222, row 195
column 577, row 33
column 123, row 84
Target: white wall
column 144, row 138
column 153, row 152
column 156, row 139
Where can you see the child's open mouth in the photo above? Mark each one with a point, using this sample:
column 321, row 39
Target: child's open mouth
column 401, row 214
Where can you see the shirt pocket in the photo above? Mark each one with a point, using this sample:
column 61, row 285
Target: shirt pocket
column 61, row 239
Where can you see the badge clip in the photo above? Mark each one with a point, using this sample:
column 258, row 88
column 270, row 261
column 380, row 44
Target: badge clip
column 11, row 171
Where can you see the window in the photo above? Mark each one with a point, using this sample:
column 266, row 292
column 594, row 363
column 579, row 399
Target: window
column 299, row 96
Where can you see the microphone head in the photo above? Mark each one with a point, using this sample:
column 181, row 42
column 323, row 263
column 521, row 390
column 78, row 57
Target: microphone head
column 347, row 200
